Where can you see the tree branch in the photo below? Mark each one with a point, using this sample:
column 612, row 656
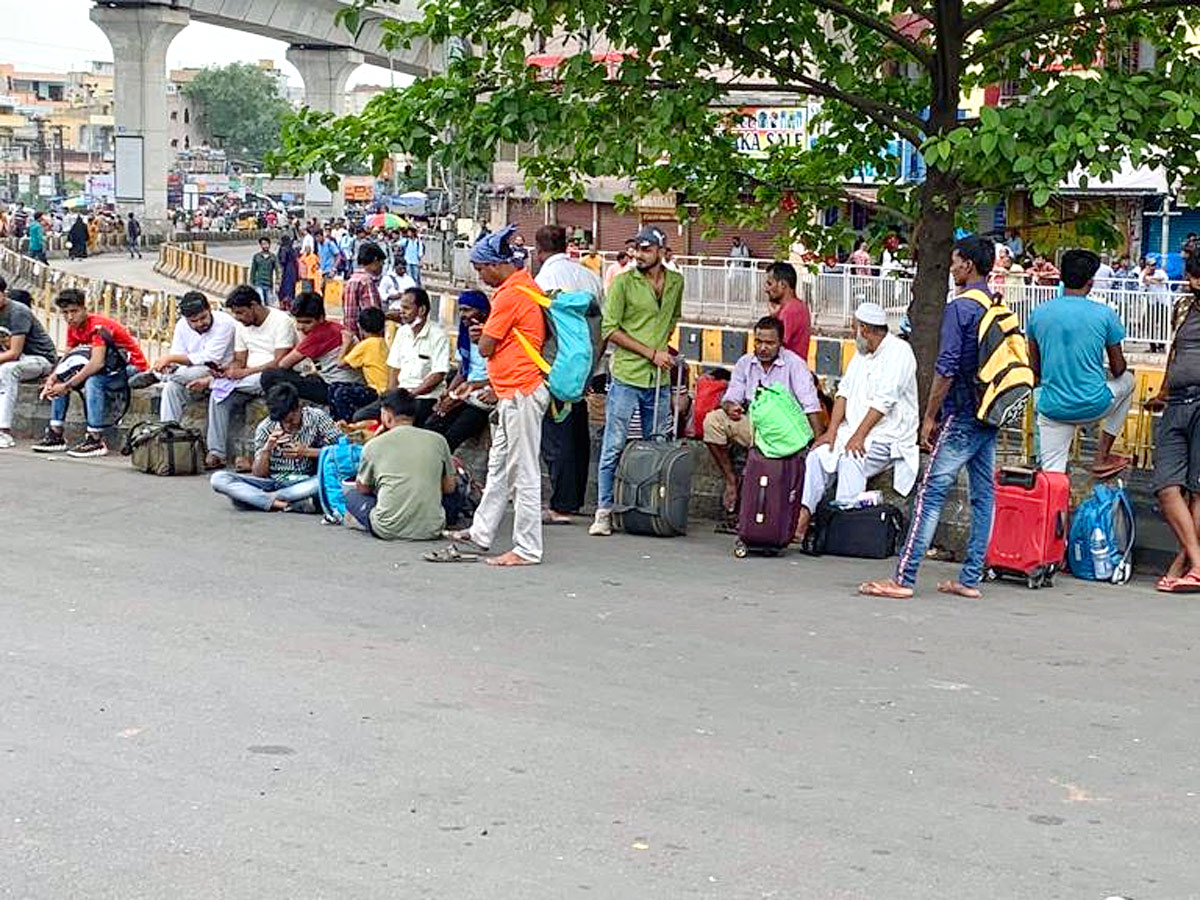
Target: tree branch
column 885, row 114
column 985, row 15
column 1088, row 18
column 880, row 27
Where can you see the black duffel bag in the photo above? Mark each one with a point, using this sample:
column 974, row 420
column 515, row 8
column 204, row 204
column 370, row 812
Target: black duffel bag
column 869, row 532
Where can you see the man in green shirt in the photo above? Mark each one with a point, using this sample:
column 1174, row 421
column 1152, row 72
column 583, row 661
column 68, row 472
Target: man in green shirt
column 263, row 268
column 640, row 314
column 403, row 476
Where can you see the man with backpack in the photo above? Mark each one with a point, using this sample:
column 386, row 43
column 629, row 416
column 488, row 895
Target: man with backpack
column 953, row 433
column 1177, row 441
column 566, row 444
column 523, row 398
column 1070, row 339
column 109, row 355
column 640, row 313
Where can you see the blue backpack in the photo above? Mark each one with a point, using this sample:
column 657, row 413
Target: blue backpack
column 336, row 463
column 568, row 354
column 1108, row 509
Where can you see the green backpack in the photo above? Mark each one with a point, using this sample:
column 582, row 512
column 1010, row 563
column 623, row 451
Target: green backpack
column 781, row 427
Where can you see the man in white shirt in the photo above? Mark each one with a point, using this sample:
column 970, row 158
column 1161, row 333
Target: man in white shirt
column 263, row 337
column 394, row 283
column 1104, row 275
column 874, row 421
column 566, row 445
column 201, row 345
column 419, row 360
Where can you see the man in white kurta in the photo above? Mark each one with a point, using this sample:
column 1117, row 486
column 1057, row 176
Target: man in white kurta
column 874, row 422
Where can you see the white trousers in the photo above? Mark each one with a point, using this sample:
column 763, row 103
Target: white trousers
column 12, row 373
column 175, row 393
column 824, row 464
column 1055, row 438
column 514, row 468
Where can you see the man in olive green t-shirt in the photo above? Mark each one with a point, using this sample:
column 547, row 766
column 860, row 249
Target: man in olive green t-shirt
column 402, row 477
column 641, row 311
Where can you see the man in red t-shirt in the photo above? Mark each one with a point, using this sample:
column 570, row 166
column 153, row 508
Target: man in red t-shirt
column 112, row 357
column 513, row 463
column 788, row 308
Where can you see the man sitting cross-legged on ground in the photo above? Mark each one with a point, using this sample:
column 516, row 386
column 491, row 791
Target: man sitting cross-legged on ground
column 286, row 446
column 114, row 356
column 26, row 354
column 874, row 421
column 770, row 363
column 265, row 335
column 323, row 342
column 403, row 476
column 201, row 345
column 1070, row 339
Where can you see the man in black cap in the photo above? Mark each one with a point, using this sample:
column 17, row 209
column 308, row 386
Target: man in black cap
column 640, row 314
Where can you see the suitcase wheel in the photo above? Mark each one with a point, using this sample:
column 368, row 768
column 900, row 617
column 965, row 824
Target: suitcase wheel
column 739, row 549
column 989, row 574
column 1033, row 580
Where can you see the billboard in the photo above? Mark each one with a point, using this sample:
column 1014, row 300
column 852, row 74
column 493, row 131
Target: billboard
column 760, row 127
column 100, row 188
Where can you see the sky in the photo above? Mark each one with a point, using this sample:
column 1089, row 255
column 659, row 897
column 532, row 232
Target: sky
column 57, row 36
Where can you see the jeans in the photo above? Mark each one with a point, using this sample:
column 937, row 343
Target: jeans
column 12, row 373
column 513, row 468
column 346, row 398
column 267, row 293
column 622, row 400
column 414, row 272
column 359, row 506
column 175, row 392
column 261, row 493
column 95, row 400
column 962, row 442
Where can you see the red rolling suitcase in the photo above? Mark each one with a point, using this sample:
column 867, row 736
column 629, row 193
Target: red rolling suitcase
column 1031, row 527
column 771, row 490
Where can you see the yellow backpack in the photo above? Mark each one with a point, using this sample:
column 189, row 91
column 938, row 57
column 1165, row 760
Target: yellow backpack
column 1004, row 379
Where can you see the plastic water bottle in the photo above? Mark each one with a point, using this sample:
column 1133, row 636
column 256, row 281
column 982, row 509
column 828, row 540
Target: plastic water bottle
column 1101, row 565
column 864, row 500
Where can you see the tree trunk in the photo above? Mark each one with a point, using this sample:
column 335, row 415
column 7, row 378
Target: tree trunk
column 935, row 241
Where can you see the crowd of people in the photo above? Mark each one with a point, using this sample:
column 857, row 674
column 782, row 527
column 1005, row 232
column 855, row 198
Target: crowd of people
column 83, row 230
column 421, row 399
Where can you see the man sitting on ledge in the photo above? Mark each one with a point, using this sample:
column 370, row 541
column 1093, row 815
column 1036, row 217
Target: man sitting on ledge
column 286, row 446
column 873, row 426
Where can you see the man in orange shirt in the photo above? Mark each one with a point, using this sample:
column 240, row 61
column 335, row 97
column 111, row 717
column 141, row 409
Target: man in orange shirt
column 513, row 463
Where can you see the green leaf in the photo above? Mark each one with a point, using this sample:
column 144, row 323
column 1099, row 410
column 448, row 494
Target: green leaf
column 988, row 142
column 989, row 117
column 1041, row 197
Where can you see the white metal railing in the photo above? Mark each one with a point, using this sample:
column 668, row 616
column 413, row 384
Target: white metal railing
column 732, row 291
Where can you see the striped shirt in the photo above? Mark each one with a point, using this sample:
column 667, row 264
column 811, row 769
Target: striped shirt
column 316, row 430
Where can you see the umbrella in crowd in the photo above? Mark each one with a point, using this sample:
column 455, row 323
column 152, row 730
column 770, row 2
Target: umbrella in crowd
column 385, row 220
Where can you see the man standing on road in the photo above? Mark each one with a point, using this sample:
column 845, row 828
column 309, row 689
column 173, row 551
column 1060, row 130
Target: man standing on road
column 133, row 235
column 566, row 445
column 414, row 253
column 513, row 466
column 361, row 291
column 26, row 354
column 263, row 269
column 640, row 314
column 1070, row 339
column 962, row 440
column 789, row 308
column 1177, row 440
column 202, row 344
column 37, row 238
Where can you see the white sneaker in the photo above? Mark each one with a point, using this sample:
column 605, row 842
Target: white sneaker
column 6, row 440
column 602, row 526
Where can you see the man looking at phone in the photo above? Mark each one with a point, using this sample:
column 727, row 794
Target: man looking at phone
column 286, row 446
column 201, row 345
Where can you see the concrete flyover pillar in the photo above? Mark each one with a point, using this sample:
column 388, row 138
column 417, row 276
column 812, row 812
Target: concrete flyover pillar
column 140, row 35
column 325, row 71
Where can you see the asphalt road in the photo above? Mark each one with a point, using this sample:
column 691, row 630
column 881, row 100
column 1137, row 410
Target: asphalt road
column 200, row 703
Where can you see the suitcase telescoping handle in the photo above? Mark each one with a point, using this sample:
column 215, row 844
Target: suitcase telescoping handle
column 671, row 434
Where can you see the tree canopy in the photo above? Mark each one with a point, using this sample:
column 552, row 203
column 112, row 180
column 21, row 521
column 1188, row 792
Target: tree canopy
column 650, row 89
column 242, row 108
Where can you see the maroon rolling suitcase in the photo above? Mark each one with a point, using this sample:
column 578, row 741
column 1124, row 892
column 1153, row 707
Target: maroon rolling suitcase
column 771, row 490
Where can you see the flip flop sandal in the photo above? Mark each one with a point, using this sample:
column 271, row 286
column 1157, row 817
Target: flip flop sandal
column 1166, row 584
column 880, row 589
column 1188, row 584
column 449, row 554
column 1109, row 471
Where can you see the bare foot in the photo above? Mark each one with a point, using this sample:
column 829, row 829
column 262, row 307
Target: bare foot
column 278, row 505
column 212, row 461
column 509, row 559
column 887, row 588
column 959, row 589
column 729, row 498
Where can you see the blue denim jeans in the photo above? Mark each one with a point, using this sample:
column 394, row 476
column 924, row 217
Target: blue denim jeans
column 962, row 442
column 622, row 400
column 95, row 399
column 261, row 493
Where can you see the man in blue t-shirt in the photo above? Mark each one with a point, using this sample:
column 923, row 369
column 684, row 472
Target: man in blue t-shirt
column 952, row 434
column 1070, row 338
